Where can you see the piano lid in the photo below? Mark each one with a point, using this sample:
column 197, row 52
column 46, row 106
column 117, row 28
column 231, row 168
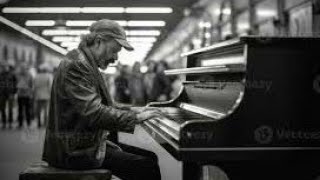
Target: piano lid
column 215, row 79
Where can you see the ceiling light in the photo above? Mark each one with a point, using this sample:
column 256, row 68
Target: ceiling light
column 59, row 10
column 142, row 39
column 87, row 10
column 141, row 44
column 143, row 33
column 102, row 10
column 148, row 10
column 68, row 44
column 32, row 35
column 54, row 32
column 204, row 24
column 40, row 23
column 65, row 38
column 20, row 10
column 72, row 47
column 226, row 11
column 146, row 23
column 79, row 23
column 266, row 13
column 89, row 23
column 41, row 10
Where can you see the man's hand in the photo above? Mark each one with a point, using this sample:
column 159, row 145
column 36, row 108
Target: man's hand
column 142, row 109
column 148, row 114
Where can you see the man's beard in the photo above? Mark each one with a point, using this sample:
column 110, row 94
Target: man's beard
column 104, row 63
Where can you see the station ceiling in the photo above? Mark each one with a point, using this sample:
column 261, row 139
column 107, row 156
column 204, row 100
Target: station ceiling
column 170, row 18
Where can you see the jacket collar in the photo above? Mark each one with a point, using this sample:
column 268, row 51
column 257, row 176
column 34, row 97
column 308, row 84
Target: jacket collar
column 101, row 83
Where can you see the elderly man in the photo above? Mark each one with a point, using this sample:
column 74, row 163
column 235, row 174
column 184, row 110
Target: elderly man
column 82, row 113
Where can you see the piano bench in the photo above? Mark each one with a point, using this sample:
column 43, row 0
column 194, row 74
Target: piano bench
column 42, row 171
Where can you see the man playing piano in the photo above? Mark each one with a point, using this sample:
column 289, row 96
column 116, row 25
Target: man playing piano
column 82, row 113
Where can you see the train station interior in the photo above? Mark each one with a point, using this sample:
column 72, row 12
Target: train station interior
column 168, row 36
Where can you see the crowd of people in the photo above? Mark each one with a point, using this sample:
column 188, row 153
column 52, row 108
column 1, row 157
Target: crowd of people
column 24, row 96
column 131, row 86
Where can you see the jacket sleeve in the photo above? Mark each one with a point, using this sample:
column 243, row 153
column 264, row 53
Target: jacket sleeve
column 87, row 102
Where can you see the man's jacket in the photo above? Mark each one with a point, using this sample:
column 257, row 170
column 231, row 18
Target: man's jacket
column 81, row 114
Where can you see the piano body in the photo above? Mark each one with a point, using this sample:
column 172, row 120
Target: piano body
column 248, row 109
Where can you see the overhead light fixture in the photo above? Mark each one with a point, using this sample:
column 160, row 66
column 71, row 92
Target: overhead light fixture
column 142, row 39
column 102, row 10
column 79, row 23
column 68, row 44
column 55, row 32
column 266, row 13
column 204, row 24
column 40, row 23
column 41, row 10
column 87, row 10
column 72, row 47
column 226, row 11
column 146, row 23
column 33, row 35
column 143, row 33
column 141, row 44
column 20, row 10
column 60, row 10
column 88, row 23
column 65, row 38
column 148, row 10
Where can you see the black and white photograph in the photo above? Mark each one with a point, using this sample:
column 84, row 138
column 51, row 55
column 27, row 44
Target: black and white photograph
column 159, row 89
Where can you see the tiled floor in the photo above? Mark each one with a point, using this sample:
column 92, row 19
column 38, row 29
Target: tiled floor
column 19, row 148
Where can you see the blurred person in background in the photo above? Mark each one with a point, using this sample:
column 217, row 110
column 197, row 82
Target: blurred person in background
column 121, row 82
column 25, row 95
column 42, row 89
column 8, row 89
column 149, row 81
column 136, row 86
column 162, row 82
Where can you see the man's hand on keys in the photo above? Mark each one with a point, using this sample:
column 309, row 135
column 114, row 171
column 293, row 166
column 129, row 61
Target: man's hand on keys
column 146, row 113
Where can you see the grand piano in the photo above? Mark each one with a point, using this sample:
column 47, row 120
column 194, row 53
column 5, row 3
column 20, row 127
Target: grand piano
column 248, row 109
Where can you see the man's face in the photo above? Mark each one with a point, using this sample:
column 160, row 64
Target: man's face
column 108, row 52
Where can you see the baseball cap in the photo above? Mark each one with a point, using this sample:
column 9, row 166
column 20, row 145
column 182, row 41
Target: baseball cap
column 106, row 27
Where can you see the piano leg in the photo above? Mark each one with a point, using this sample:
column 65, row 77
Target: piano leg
column 191, row 171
